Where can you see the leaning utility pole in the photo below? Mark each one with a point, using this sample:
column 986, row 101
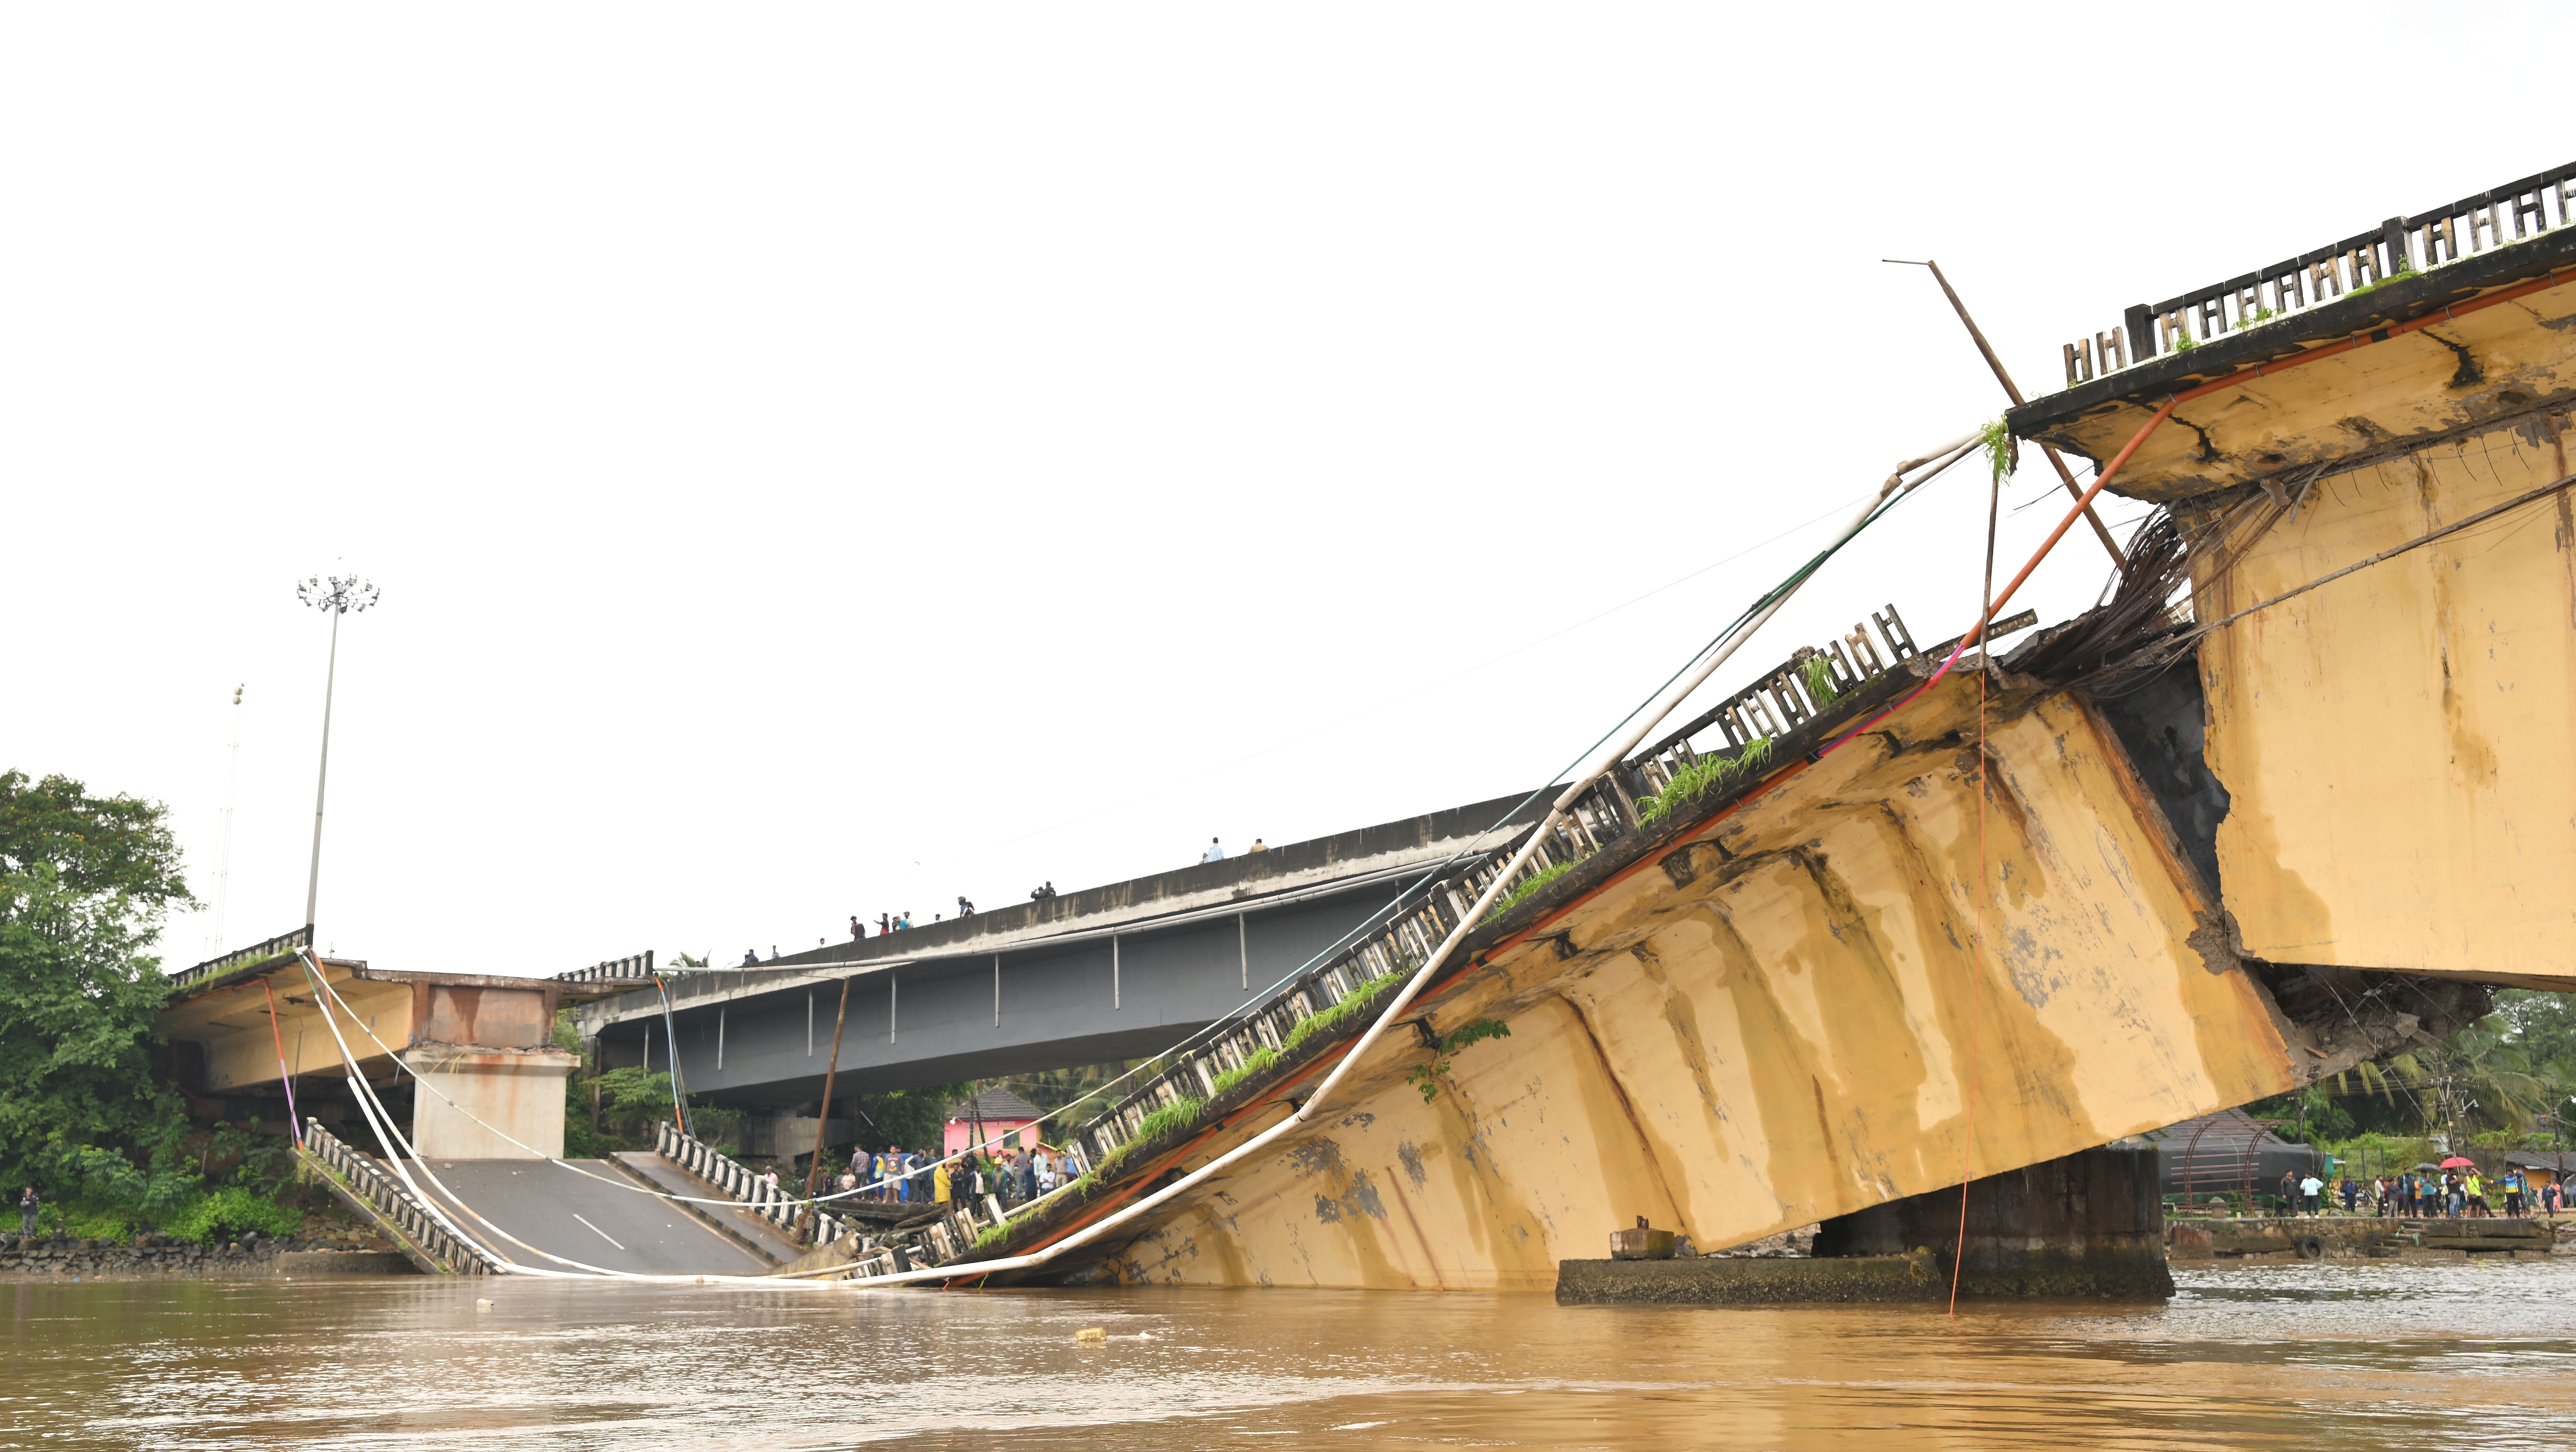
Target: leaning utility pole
column 337, row 597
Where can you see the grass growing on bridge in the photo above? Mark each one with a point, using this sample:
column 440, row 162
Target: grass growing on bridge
column 1538, row 879
column 1179, row 1114
column 1182, row 1113
column 1259, row 1061
column 1342, row 1012
column 1704, row 776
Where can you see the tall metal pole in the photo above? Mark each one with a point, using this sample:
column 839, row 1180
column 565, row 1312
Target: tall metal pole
column 322, row 778
column 336, row 596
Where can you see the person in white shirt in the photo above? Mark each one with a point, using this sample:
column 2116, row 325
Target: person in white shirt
column 2308, row 1189
column 1215, row 852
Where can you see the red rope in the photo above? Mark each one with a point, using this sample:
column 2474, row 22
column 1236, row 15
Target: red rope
column 1996, row 602
column 294, row 1126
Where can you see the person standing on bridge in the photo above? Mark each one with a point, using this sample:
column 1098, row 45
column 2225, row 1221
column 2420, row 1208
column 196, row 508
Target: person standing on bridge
column 858, row 929
column 1215, row 853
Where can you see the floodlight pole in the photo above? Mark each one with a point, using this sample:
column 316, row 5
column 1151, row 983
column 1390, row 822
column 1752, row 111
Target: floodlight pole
column 337, row 597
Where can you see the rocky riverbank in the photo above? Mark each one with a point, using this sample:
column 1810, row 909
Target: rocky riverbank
column 156, row 1257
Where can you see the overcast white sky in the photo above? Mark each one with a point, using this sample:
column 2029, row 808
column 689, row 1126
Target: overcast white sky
column 829, row 459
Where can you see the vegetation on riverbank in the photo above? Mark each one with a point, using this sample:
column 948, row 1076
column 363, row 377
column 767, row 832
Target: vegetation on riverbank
column 88, row 1114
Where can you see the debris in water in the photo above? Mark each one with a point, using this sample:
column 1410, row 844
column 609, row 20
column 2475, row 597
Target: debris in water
column 1091, row 1336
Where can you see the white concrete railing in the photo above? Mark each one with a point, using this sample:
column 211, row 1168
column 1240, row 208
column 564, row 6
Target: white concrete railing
column 367, row 1180
column 756, row 1195
column 1810, row 685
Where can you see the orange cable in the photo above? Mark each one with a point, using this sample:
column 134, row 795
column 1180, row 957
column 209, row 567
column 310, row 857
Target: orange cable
column 294, row 1126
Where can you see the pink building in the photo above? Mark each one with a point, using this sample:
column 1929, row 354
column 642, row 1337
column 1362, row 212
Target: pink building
column 1007, row 1120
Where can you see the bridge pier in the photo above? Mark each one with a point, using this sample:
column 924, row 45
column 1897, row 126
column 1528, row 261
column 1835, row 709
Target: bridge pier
column 2089, row 1224
column 519, row 1092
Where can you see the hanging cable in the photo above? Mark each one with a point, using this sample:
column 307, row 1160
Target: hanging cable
column 1976, row 943
column 1638, row 722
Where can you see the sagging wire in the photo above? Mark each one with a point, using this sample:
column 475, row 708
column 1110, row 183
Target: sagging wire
column 1669, row 699
column 1986, row 617
column 1689, row 677
column 1976, row 999
column 396, row 1146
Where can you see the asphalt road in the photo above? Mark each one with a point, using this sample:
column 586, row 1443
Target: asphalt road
column 602, row 1225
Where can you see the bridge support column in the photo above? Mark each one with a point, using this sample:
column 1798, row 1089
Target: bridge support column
column 518, row 1092
column 2090, row 1224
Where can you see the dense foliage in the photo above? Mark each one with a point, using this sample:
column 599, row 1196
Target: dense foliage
column 85, row 883
column 87, row 1111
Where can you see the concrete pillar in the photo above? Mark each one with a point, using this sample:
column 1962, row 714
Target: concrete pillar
column 2091, row 1224
column 519, row 1092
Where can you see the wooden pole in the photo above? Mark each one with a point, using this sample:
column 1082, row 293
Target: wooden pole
column 823, row 1121
column 2065, row 475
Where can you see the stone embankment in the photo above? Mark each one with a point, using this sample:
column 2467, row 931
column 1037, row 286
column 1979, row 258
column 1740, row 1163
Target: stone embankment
column 2301, row 1237
column 153, row 1256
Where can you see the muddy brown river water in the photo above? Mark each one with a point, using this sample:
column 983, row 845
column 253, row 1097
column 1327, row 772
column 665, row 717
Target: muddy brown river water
column 2327, row 1356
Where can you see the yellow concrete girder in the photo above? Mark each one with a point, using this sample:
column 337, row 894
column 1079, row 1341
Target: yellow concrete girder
column 2397, row 744
column 242, row 1052
column 2405, row 388
column 1801, row 1022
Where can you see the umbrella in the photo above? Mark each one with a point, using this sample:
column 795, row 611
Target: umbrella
column 2457, row 1163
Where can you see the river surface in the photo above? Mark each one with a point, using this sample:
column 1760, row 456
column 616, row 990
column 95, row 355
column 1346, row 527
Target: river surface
column 2327, row 1356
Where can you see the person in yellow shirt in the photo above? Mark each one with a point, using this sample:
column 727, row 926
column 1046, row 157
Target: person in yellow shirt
column 939, row 1183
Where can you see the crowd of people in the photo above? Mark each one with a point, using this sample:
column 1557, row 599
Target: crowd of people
column 1015, row 1175
column 2427, row 1193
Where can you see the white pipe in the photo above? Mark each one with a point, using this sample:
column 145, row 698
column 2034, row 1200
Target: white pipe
column 1646, row 721
column 369, row 1106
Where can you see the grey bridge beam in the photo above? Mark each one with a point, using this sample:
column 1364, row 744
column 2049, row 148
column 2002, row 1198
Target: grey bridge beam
column 1119, row 972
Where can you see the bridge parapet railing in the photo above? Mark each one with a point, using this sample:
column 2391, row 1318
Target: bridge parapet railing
column 283, row 945
column 638, row 965
column 2395, row 248
column 1809, row 685
column 361, row 1177
column 755, row 1194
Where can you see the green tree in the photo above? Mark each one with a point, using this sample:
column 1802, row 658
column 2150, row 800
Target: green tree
column 85, row 884
column 2541, row 1025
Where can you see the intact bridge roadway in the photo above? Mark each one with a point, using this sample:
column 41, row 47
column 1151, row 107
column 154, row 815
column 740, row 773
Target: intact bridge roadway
column 1115, row 972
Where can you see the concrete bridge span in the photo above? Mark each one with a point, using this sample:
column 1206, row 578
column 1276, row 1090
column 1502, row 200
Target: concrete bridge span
column 2291, row 801
column 1114, row 972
